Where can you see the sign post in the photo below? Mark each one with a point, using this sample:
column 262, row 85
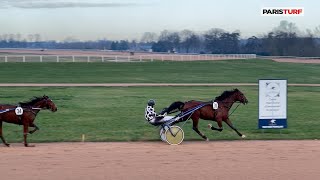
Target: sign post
column 272, row 104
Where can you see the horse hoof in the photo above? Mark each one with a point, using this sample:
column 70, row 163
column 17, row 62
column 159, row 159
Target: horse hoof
column 8, row 145
column 210, row 126
column 243, row 136
column 28, row 145
column 207, row 139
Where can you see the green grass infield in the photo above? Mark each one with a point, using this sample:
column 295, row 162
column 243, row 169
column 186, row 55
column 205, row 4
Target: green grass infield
column 228, row 71
column 117, row 113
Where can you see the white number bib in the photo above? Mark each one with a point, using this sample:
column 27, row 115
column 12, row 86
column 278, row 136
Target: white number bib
column 19, row 111
column 215, row 105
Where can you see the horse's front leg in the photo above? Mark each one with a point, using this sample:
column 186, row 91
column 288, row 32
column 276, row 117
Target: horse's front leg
column 231, row 126
column 1, row 136
column 25, row 134
column 35, row 128
column 195, row 128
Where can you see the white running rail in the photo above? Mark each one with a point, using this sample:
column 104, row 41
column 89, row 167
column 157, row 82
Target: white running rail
column 112, row 58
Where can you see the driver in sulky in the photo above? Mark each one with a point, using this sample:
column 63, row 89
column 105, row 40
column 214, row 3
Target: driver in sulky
column 152, row 117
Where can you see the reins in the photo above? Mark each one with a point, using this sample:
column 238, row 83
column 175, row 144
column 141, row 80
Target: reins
column 234, row 110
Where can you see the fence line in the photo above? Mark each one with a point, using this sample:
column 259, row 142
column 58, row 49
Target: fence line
column 286, row 57
column 121, row 58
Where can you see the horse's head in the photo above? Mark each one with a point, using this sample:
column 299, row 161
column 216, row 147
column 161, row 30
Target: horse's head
column 239, row 96
column 47, row 103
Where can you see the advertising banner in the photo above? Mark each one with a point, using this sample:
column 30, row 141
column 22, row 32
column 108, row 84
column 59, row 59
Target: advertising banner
column 272, row 103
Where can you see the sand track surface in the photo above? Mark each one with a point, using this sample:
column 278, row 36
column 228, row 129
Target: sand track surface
column 156, row 160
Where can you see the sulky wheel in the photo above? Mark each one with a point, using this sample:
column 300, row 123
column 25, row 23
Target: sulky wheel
column 174, row 135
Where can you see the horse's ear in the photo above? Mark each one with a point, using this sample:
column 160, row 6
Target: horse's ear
column 236, row 89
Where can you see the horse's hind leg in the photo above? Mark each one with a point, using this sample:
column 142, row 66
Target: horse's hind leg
column 231, row 126
column 214, row 128
column 219, row 122
column 195, row 128
column 1, row 136
column 35, row 128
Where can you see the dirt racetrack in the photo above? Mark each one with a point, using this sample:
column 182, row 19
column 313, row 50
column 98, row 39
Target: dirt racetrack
column 155, row 160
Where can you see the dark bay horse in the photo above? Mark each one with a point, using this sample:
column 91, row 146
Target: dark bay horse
column 225, row 102
column 30, row 110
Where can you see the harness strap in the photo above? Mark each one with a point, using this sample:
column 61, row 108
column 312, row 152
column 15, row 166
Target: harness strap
column 6, row 110
column 36, row 108
column 192, row 110
column 32, row 108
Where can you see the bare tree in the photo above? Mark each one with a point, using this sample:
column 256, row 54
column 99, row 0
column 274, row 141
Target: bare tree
column 185, row 34
column 288, row 27
column 168, row 41
column 317, row 31
column 212, row 40
column 190, row 41
column 148, row 37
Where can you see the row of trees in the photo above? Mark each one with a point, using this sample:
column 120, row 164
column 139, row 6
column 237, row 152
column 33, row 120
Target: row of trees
column 284, row 40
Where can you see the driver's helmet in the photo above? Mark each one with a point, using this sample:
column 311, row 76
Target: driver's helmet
column 151, row 102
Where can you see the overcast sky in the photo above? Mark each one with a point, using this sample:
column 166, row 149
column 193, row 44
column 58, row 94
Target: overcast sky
column 129, row 19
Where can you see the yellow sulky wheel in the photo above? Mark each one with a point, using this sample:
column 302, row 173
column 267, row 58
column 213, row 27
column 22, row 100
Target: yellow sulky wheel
column 176, row 137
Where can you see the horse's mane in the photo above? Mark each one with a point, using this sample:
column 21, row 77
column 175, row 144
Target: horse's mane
column 189, row 101
column 225, row 95
column 31, row 102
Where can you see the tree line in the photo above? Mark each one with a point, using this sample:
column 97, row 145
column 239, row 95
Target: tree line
column 284, row 40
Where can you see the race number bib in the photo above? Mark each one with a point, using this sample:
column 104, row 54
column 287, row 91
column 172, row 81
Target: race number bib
column 19, row 111
column 215, row 105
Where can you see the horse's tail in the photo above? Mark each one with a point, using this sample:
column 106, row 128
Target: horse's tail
column 174, row 107
column 177, row 105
